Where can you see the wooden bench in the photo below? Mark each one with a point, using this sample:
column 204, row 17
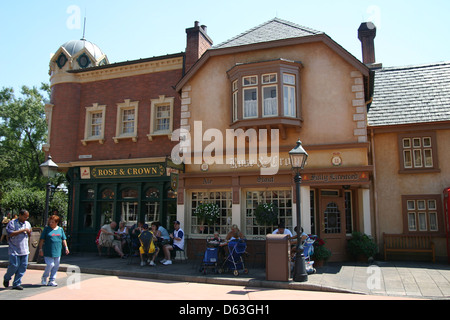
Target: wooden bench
column 408, row 243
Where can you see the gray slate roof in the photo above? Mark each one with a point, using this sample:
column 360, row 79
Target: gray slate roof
column 411, row 94
column 275, row 29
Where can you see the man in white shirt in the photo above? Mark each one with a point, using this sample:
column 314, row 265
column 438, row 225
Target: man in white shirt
column 178, row 243
column 282, row 230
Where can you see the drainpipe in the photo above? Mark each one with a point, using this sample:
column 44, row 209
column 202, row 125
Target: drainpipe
column 375, row 193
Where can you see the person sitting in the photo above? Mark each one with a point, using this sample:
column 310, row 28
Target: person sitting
column 164, row 234
column 146, row 238
column 107, row 239
column 178, row 243
column 282, row 230
column 234, row 233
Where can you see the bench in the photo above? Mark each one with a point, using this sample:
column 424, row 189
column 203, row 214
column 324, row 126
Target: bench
column 408, row 243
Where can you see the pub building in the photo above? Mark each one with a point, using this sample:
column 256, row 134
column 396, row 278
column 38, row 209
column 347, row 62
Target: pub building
column 240, row 107
column 110, row 129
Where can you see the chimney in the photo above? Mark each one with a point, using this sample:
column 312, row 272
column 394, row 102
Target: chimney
column 366, row 34
column 197, row 43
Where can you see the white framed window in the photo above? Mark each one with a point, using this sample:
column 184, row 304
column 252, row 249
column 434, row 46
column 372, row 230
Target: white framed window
column 223, row 199
column 281, row 198
column 94, row 128
column 289, row 100
column 249, row 81
column 235, row 100
column 250, row 97
column 417, row 152
column 422, row 213
column 161, row 117
column 127, row 120
column 270, row 101
column 270, row 95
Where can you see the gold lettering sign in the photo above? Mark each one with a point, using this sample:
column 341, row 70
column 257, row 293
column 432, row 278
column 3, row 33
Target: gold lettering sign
column 149, row 170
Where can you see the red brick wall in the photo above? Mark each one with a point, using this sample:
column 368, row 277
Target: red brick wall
column 68, row 120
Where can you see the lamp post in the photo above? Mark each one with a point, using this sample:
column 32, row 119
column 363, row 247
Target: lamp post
column 49, row 170
column 298, row 157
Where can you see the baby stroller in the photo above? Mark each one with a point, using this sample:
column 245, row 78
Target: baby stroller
column 234, row 261
column 308, row 251
column 211, row 257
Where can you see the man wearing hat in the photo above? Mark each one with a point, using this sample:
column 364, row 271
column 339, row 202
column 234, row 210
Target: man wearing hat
column 178, row 243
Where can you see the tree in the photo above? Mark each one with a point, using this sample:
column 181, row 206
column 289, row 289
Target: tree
column 23, row 131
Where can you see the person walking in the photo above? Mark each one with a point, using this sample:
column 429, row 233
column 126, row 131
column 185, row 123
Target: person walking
column 19, row 232
column 51, row 242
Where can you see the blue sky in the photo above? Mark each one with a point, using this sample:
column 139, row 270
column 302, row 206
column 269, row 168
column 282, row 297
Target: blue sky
column 409, row 32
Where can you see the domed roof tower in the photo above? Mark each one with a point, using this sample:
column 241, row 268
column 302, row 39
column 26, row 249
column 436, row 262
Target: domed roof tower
column 77, row 54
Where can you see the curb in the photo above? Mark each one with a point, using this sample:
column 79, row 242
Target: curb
column 198, row 279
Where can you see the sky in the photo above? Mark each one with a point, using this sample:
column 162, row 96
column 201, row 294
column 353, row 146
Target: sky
column 408, row 32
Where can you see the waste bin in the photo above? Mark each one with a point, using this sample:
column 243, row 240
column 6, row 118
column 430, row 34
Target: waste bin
column 34, row 244
column 277, row 257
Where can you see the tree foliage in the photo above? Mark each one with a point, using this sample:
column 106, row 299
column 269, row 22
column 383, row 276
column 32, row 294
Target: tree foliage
column 23, row 131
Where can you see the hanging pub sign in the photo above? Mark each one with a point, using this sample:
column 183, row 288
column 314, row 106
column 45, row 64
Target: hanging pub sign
column 135, row 171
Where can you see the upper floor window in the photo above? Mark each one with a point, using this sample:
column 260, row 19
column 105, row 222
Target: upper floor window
column 161, row 117
column 265, row 93
column 126, row 126
column 94, row 129
column 418, row 152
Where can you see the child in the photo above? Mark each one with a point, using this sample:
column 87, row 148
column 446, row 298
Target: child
column 147, row 246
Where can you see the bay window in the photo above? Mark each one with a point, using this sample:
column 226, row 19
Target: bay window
column 265, row 94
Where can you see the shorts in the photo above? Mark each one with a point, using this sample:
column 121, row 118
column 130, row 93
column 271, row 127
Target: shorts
column 176, row 248
column 150, row 250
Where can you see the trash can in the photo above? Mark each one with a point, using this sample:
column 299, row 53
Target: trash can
column 34, row 244
column 277, row 257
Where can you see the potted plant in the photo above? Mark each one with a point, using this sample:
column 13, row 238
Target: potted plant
column 321, row 253
column 207, row 213
column 266, row 214
column 362, row 247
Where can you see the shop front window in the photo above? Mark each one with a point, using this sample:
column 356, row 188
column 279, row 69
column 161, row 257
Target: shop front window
column 223, row 199
column 282, row 199
column 129, row 213
column 106, row 213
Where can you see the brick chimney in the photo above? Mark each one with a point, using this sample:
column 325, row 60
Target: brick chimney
column 197, row 43
column 366, row 34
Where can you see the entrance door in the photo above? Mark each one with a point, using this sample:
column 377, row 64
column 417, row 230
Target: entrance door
column 332, row 225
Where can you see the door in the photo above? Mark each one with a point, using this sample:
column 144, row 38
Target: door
column 332, row 222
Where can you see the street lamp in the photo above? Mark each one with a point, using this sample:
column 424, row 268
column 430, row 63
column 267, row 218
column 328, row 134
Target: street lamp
column 49, row 170
column 298, row 157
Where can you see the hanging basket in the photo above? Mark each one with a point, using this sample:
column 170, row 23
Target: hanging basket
column 207, row 213
column 266, row 214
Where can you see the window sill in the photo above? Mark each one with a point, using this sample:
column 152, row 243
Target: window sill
column 99, row 140
column 409, row 171
column 117, row 139
column 162, row 134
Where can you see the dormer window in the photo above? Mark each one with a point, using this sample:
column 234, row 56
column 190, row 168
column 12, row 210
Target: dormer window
column 61, row 61
column 266, row 94
column 83, row 61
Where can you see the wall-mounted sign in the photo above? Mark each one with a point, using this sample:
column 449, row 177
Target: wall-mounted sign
column 136, row 171
column 336, row 160
column 335, row 178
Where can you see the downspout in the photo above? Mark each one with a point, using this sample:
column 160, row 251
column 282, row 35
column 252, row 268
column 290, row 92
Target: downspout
column 375, row 192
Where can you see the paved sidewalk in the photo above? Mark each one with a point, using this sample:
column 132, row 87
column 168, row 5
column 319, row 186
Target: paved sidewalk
column 399, row 279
